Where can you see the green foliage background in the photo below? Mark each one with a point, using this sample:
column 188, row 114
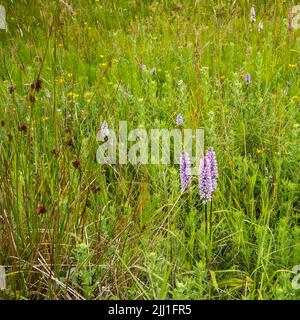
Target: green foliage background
column 127, row 232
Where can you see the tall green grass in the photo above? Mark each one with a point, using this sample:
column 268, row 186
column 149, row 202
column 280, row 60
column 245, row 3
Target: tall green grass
column 124, row 231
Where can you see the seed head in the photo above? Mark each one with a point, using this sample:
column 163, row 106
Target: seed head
column 76, row 164
column 23, row 128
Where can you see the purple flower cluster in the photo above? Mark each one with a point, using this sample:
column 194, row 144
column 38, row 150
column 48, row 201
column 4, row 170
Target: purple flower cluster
column 179, row 120
column 205, row 181
column 252, row 15
column 208, row 171
column 211, row 156
column 208, row 174
column 104, row 130
column 248, row 78
column 185, row 171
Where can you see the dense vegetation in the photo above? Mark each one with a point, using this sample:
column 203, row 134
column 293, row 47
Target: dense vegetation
column 71, row 228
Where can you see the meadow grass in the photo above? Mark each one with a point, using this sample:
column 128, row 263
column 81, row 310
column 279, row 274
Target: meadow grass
column 71, row 228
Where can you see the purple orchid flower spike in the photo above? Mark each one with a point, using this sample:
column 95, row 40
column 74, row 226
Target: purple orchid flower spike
column 185, row 171
column 205, row 182
column 104, row 131
column 208, row 172
column 211, row 156
column 179, row 120
column 252, row 15
column 248, row 79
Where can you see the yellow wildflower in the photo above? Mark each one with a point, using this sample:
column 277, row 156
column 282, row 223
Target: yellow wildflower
column 59, row 80
column 73, row 95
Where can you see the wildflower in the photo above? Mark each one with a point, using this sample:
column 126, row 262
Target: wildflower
column 59, row 80
column 248, row 79
column 259, row 150
column 104, row 131
column 179, row 120
column 76, row 164
column 73, row 95
column 185, row 171
column 55, row 151
column 11, row 89
column 23, row 128
column 260, row 27
column 31, row 98
column 208, row 172
column 153, row 70
column 205, row 181
column 292, row 65
column 211, row 156
column 252, row 15
column 70, row 143
column 38, row 85
column 41, row 209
